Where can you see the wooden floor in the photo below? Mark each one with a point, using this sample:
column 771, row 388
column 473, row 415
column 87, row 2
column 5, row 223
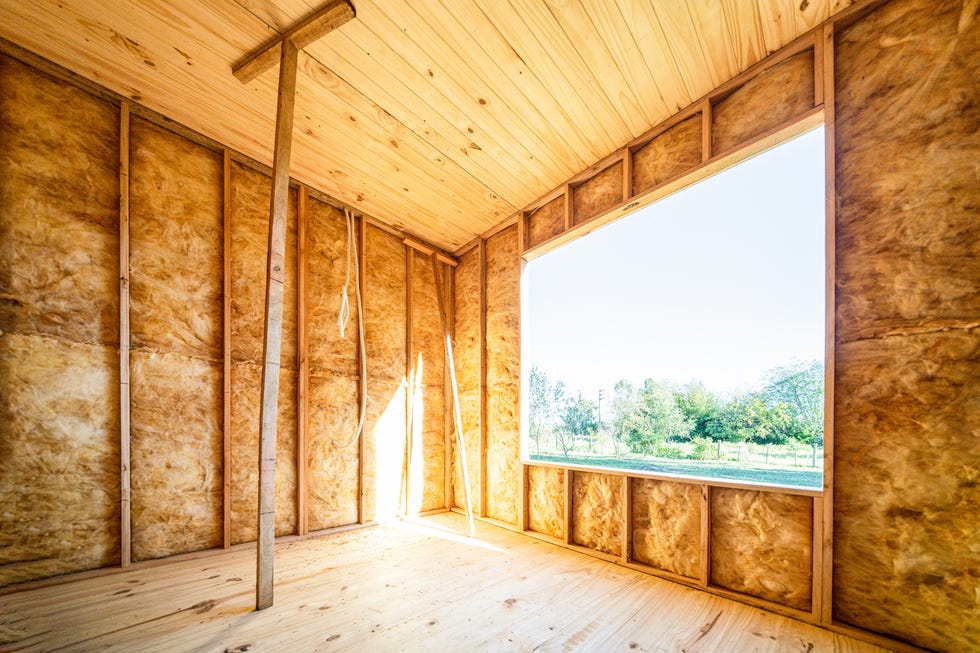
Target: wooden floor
column 398, row 587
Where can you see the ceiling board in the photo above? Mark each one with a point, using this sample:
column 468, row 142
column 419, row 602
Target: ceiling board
column 442, row 117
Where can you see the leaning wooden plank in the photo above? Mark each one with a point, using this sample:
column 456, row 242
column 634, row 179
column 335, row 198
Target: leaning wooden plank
column 273, row 325
column 313, row 27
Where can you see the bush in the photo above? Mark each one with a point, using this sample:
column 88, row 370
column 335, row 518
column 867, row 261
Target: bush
column 704, row 448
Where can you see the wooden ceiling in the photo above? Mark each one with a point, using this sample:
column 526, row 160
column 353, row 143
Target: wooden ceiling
column 441, row 117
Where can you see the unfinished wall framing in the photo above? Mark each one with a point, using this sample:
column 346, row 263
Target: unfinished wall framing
column 117, row 222
column 905, row 323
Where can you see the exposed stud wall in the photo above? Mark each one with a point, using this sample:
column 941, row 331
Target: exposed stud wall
column 249, row 239
column 907, row 411
column 60, row 213
column 598, row 194
column 503, row 376
column 597, row 511
column 546, row 221
column 429, row 353
column 766, row 101
column 761, row 544
column 673, row 152
column 176, row 330
column 59, row 289
column 546, row 500
column 332, row 452
column 466, row 354
column 667, row 526
column 384, row 332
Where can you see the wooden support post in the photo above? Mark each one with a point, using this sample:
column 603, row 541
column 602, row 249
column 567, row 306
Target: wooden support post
column 125, row 503
column 275, row 277
column 483, row 376
column 569, row 207
column 524, row 514
column 827, row 527
column 627, row 174
column 447, row 390
column 302, row 351
column 226, row 356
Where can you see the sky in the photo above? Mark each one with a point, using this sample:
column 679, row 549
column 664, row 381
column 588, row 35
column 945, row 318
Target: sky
column 720, row 282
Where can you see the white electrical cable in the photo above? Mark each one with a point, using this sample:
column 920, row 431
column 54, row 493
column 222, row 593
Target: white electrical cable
column 345, row 316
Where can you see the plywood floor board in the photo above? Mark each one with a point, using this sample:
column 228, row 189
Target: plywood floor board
column 375, row 589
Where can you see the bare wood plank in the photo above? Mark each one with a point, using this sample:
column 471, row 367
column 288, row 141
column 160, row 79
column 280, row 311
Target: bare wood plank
column 483, row 377
column 125, row 526
column 226, row 353
column 830, row 180
column 272, row 341
column 302, row 354
column 627, row 175
column 569, row 208
column 310, row 29
column 816, row 572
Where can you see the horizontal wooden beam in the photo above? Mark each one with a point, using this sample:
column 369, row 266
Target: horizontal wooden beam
column 306, row 31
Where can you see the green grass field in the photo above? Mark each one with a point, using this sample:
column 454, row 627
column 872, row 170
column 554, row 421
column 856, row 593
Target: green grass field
column 808, row 477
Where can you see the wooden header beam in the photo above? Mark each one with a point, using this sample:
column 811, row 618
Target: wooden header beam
column 310, row 29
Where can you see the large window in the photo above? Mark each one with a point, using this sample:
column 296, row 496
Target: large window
column 688, row 337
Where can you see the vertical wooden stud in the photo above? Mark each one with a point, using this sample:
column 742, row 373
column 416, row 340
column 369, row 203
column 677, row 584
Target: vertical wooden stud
column 569, row 487
column 523, row 231
column 706, row 130
column 272, row 341
column 410, row 377
column 361, row 354
column 483, row 376
column 443, row 291
column 705, row 535
column 627, row 520
column 627, row 174
column 125, row 504
column 569, row 207
column 827, row 526
column 522, row 498
column 226, row 352
column 816, row 597
column 303, row 349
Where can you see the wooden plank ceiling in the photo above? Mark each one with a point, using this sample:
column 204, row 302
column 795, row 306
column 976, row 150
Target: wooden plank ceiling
column 441, row 117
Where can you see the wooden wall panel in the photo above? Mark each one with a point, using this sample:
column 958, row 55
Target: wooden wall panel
column 427, row 340
column 466, row 354
column 670, row 153
column 332, row 451
column 546, row 221
column 546, row 500
column 384, row 322
column 907, row 412
column 599, row 194
column 503, row 376
column 597, row 511
column 761, row 544
column 768, row 100
column 249, row 240
column 59, row 289
column 176, row 341
column 667, row 525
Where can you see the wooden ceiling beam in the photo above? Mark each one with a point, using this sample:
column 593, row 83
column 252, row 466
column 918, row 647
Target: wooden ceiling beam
column 305, row 32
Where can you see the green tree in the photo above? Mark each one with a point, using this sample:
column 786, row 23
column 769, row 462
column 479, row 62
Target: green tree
column 547, row 399
column 700, row 408
column 646, row 418
column 798, row 387
column 580, row 419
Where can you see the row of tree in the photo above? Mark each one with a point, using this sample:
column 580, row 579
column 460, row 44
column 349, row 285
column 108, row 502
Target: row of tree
column 644, row 418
